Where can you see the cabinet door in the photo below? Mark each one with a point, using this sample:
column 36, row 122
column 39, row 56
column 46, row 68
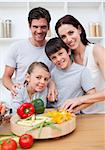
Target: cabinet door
column 17, row 13
column 88, row 13
column 56, row 10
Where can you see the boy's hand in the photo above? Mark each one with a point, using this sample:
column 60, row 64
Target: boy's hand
column 52, row 92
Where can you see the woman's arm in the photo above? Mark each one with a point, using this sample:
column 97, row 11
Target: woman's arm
column 84, row 105
column 71, row 104
column 99, row 56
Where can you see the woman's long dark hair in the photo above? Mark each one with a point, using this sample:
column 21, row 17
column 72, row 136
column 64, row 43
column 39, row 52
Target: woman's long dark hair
column 69, row 19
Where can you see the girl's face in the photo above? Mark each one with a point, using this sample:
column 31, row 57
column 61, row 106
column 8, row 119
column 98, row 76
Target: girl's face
column 70, row 35
column 38, row 79
column 61, row 59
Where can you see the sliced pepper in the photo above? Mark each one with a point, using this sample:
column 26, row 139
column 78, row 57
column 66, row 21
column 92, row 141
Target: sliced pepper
column 25, row 110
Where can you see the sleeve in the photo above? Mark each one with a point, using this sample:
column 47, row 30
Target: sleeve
column 53, row 74
column 11, row 56
column 87, row 81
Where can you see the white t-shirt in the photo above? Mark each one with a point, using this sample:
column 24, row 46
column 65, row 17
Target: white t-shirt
column 71, row 82
column 22, row 54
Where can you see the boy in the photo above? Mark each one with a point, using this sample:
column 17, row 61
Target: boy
column 72, row 80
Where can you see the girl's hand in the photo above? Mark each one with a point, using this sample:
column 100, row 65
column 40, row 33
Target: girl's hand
column 52, row 91
column 2, row 109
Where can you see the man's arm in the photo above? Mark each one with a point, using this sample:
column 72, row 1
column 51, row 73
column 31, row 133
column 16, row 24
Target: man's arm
column 7, row 77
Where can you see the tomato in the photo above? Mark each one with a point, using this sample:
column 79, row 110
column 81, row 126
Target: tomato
column 26, row 141
column 9, row 144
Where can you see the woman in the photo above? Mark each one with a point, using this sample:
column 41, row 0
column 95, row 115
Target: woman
column 70, row 30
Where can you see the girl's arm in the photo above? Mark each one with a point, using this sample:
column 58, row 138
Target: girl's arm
column 2, row 108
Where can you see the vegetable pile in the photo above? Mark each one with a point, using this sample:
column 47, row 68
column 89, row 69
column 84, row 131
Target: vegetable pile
column 27, row 117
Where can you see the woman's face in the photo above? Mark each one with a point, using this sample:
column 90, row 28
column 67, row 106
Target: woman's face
column 70, row 35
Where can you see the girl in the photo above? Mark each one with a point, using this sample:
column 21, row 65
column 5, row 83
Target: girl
column 70, row 30
column 35, row 85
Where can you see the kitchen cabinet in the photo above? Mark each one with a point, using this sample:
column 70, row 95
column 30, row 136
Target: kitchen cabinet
column 88, row 12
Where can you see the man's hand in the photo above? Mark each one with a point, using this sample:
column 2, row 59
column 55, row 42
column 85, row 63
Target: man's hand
column 13, row 89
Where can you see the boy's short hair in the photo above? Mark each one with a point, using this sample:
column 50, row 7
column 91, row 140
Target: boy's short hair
column 54, row 45
column 37, row 13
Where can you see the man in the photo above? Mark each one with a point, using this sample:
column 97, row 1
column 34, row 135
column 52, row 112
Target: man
column 24, row 52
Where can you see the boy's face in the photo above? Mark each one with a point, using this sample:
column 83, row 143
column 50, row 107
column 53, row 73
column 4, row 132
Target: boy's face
column 61, row 59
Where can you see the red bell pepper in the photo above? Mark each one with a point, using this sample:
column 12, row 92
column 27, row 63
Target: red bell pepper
column 25, row 110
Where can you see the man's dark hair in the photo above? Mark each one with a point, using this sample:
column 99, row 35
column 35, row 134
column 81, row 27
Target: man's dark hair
column 37, row 13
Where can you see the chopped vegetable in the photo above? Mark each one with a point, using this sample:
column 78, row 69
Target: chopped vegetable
column 58, row 116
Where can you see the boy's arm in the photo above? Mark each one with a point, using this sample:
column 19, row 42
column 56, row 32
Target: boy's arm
column 52, row 91
column 88, row 86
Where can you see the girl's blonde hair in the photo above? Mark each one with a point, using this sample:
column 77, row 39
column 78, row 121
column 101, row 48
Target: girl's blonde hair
column 36, row 64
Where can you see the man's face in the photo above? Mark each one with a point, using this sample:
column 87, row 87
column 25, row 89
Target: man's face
column 39, row 29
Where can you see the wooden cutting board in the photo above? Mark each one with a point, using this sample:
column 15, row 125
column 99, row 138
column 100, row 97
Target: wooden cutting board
column 47, row 132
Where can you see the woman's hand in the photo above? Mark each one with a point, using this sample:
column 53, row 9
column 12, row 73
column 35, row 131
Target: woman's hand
column 70, row 104
column 52, row 91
